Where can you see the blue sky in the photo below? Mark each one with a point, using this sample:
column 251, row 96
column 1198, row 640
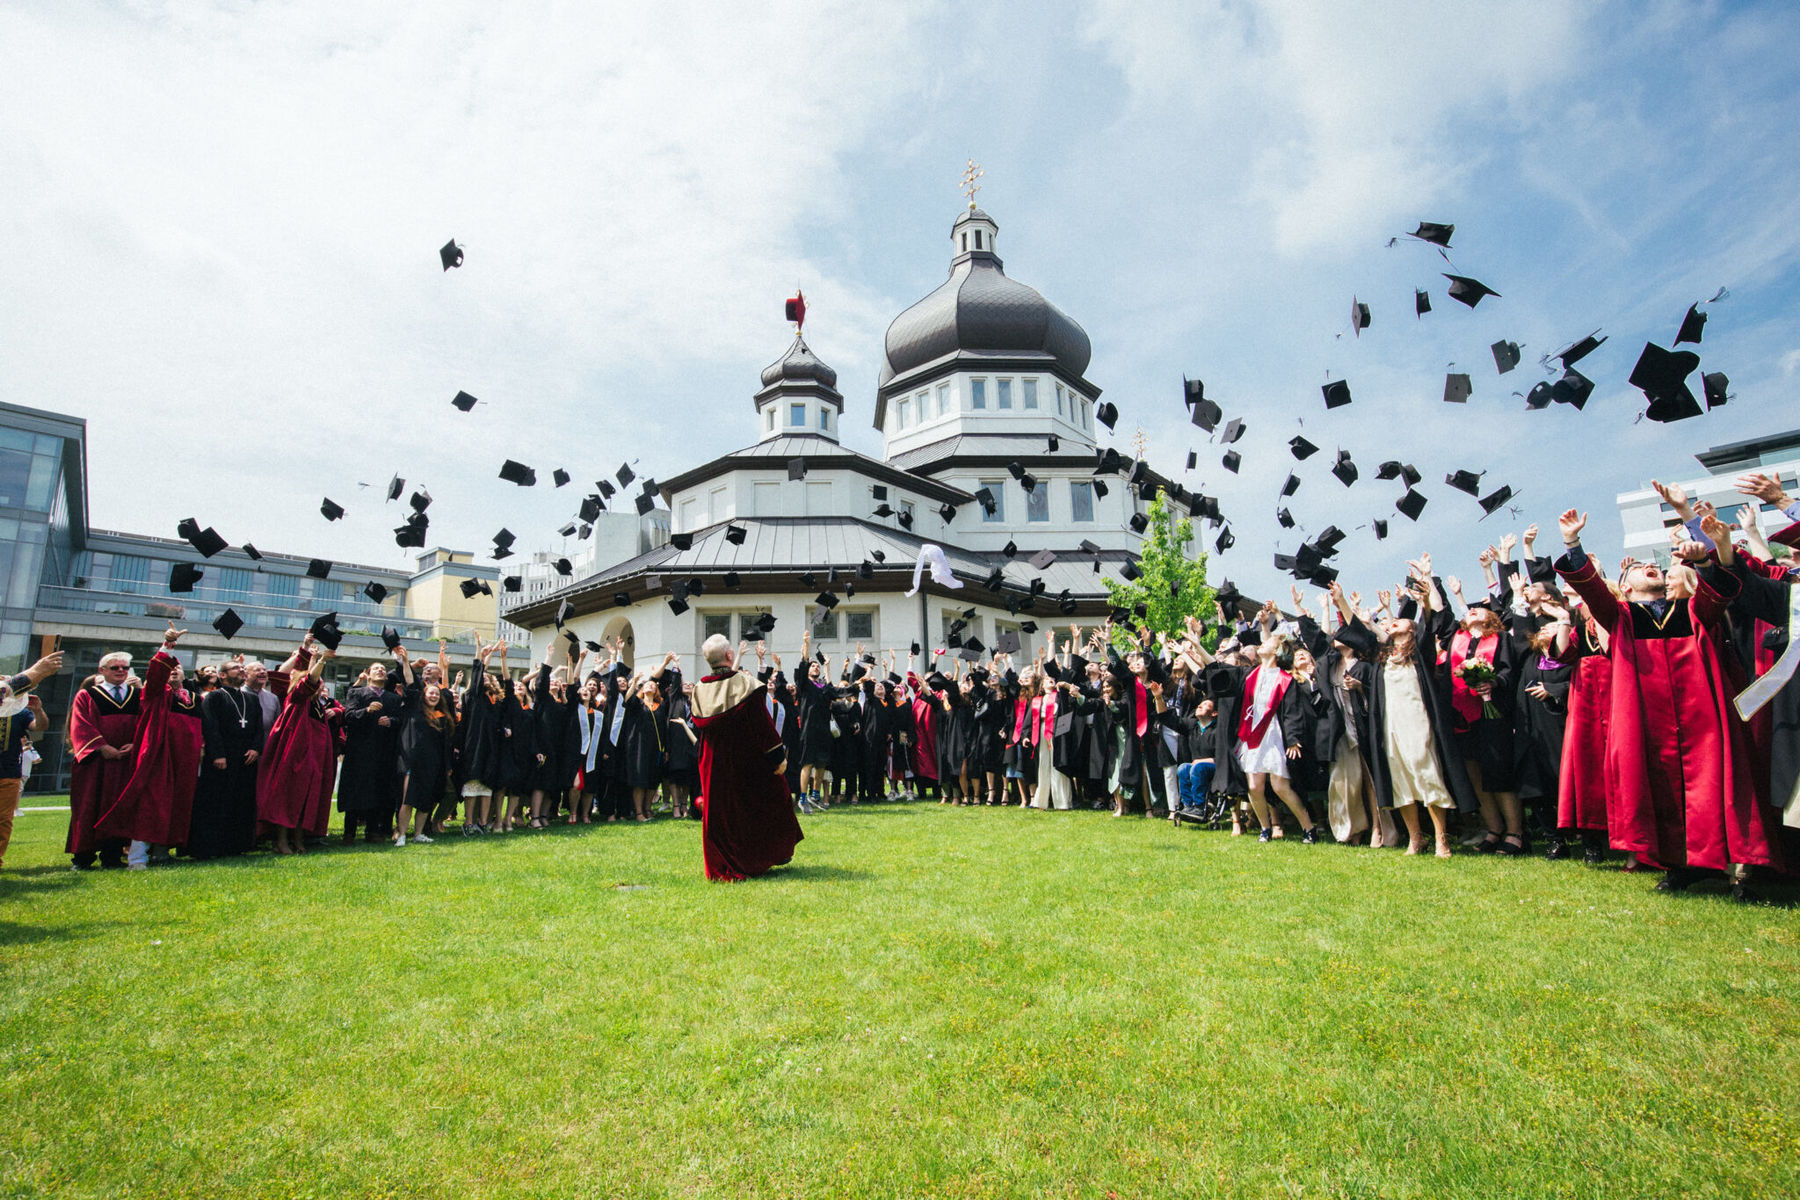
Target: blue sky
column 221, row 227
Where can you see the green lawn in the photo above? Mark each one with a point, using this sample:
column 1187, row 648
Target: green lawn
column 932, row 1002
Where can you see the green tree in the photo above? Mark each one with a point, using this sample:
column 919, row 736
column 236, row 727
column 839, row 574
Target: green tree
column 1171, row 583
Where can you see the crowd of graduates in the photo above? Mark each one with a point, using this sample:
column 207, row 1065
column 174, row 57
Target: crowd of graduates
column 1655, row 714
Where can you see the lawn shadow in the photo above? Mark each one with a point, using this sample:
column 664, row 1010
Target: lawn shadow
column 819, row 873
column 14, row 934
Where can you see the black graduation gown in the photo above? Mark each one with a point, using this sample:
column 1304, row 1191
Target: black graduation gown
column 1488, row 740
column 816, row 742
column 1538, row 728
column 681, row 751
column 224, row 814
column 369, row 780
column 427, row 750
column 478, row 741
column 549, row 729
column 993, row 711
column 518, row 745
column 1225, row 684
column 641, row 742
column 1362, row 639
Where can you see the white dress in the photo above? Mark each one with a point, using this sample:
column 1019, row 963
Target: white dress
column 1411, row 753
column 1053, row 787
column 1269, row 757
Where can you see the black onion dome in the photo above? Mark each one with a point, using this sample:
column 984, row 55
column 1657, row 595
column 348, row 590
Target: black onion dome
column 799, row 364
column 978, row 308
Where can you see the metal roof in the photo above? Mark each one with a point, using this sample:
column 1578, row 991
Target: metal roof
column 977, row 449
column 819, row 452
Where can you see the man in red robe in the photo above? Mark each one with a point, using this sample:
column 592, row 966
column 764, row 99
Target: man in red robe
column 298, row 767
column 747, row 820
column 154, row 806
column 102, row 722
column 1677, row 757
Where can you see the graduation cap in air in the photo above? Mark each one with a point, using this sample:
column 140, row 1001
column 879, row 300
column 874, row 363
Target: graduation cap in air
column 252, row 552
column 1029, row 482
column 624, row 475
column 183, row 576
column 1016, row 469
column 228, row 624
column 644, row 504
column 319, row 568
column 1139, row 522
column 1345, row 470
column 1192, row 458
column 1540, row 396
column 331, row 509
column 413, row 532
column 1100, row 489
column 1506, row 355
column 1228, row 596
column 1109, row 461
column 1231, row 460
column 1283, row 563
column 501, row 553
column 1202, row 412
column 1328, row 540
column 1693, row 326
column 1006, row 642
column 1576, row 351
column 879, row 556
column 1421, row 302
column 519, row 473
column 1028, row 627
column 1337, row 394
column 559, row 476
column 1043, row 560
column 1411, row 504
column 681, row 541
column 1130, row 570
column 207, row 541
column 1284, row 518
column 419, row 500
column 808, row 579
column 513, row 583
column 504, row 538
column 732, row 579
column 1206, row 506
column 878, row 491
column 589, row 510
column 985, row 498
column 1147, row 490
column 1573, row 388
column 472, row 588
column 1662, row 376
column 325, row 630
column 606, row 488
column 826, row 600
column 1457, row 389
column 564, row 567
column 1107, row 413
column 1380, row 527
column 865, row 569
column 996, row 579
column 947, row 512
column 1469, row 291
column 564, row 611
column 1389, row 469
column 390, row 637
column 463, row 402
column 1225, row 541
column 735, row 534
column 621, row 599
column 1052, row 444
column 1011, row 549
column 796, row 469
column 1234, row 429
column 1290, row 485
column 375, row 592
column 396, row 485
column 1465, row 481
column 1491, row 503
column 450, row 254
column 1302, row 448
column 1437, row 235
column 1322, row 576
column 1307, row 559
column 1716, row 386
column 677, row 605
column 1359, row 316
column 648, row 487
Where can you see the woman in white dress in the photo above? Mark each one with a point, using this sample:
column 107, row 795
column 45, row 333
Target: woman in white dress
column 1270, row 726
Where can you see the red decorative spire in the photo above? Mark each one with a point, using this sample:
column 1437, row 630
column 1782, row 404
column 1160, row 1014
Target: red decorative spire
column 796, row 310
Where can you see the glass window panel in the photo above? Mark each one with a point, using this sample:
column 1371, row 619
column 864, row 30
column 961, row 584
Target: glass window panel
column 42, row 485
column 15, row 476
column 1081, row 499
column 859, row 626
column 977, row 393
column 22, row 576
column 769, row 418
column 900, row 413
column 235, row 583
column 1059, row 399
column 824, row 623
column 1003, row 393
column 797, row 415
column 718, row 624
column 130, row 573
column 1037, row 502
column 1028, row 392
column 283, row 589
column 49, row 443
column 943, row 399
column 998, row 487
column 17, row 439
column 825, row 417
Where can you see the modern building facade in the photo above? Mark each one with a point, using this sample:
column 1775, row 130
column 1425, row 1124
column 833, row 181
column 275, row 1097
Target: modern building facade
column 1648, row 520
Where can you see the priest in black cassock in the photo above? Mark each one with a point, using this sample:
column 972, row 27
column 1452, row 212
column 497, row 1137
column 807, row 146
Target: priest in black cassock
column 231, row 721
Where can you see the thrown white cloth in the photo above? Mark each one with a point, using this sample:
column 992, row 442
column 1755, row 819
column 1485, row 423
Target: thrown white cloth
column 933, row 557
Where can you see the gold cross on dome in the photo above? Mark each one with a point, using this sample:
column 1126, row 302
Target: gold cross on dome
column 969, row 186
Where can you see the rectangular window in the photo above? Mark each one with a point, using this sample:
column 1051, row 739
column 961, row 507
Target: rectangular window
column 943, row 399
column 998, row 487
column 977, row 393
column 1030, row 392
column 1059, row 399
column 1003, row 393
column 901, row 411
column 712, row 624
column 906, row 507
column 1086, row 415
column 1037, row 503
column 130, row 573
column 824, row 622
column 797, row 416
column 284, row 590
column 235, row 584
column 769, row 418
column 825, row 418
column 923, row 402
column 1081, row 500
column 859, row 626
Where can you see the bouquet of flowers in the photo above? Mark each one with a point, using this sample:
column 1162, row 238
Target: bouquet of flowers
column 1475, row 672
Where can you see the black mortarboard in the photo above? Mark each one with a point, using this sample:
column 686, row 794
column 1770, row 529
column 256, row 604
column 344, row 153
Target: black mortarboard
column 1284, row 518
column 826, row 600
column 1028, row 481
column 567, row 530
column 1540, row 396
column 947, row 512
column 1065, row 603
column 1302, row 448
column 463, row 401
column 420, row 500
column 470, row 588
column 1662, row 376
column 735, row 534
column 1231, row 460
column 501, row 553
column 1437, row 235
column 1457, row 389
column 1107, row 413
column 1410, row 475
column 228, row 624
column 1465, row 481
column 1016, row 469
column 1380, row 529
column 1226, row 540
column 1328, row 540
column 1573, row 388
column 1028, row 627
column 648, row 487
column 1206, row 414
column 1042, row 560
column 681, row 541
column 1234, row 429
column 1577, row 351
column 996, row 579
column 1469, row 291
column 1421, row 302
column 1006, row 642
column 1053, row 444
column 1147, row 490
column 884, row 510
column 796, row 469
column 183, row 576
column 1011, row 549
column 504, row 538
column 375, row 592
column 513, row 583
column 589, row 510
column 1130, row 570
column 1139, row 522
column 412, row 533
column 564, row 611
column 1715, row 384
column 732, row 579
column 559, row 476
column 766, row 622
column 1100, row 489
column 906, row 519
column 808, row 579
column 1307, row 559
column 1290, row 485
column 250, row 551
column 621, row 598
column 1493, row 502
column 1192, row 459
column 1506, row 355
column 1345, row 469
column 1337, row 394
column 645, row 504
column 624, row 475
column 985, row 497
column 1228, row 595
column 1692, row 326
column 606, row 487
column 879, row 556
column 865, row 569
column 1283, row 563
column 677, row 605
column 1411, row 504
column 564, row 567
column 1359, row 316
column 207, row 541
column 518, row 472
column 319, row 568
column 450, row 254
column 390, row 637
column 1206, row 506
column 325, row 631
column 1322, row 576
column 1390, row 469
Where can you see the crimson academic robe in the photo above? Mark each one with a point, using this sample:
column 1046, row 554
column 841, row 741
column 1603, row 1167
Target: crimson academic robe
column 925, row 719
column 96, row 720
column 155, row 804
column 299, row 760
column 1677, row 756
column 1583, row 796
column 747, row 823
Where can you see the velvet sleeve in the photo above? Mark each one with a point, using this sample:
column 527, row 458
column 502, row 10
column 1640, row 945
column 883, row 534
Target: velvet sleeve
column 1580, row 574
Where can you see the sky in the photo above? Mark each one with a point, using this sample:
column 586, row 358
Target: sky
column 219, row 226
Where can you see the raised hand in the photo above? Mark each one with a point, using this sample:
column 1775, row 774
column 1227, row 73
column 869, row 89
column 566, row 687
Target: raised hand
column 173, row 635
column 1571, row 523
column 1765, row 488
column 1530, row 537
column 1506, row 546
column 1455, row 585
column 1676, row 497
column 1692, row 552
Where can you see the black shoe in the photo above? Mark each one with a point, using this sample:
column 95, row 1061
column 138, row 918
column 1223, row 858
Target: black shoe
column 1555, row 848
column 1593, row 857
column 1509, row 849
column 1743, row 893
column 1489, row 844
column 1680, row 879
column 1310, row 837
column 1266, row 835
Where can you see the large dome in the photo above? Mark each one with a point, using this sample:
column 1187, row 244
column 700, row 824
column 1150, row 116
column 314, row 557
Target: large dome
column 801, row 365
column 979, row 310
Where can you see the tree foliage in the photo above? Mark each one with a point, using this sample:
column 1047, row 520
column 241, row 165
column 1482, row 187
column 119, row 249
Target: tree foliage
column 1171, row 583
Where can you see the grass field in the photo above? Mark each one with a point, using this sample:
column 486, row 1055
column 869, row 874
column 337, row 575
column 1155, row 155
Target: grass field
column 931, row 1002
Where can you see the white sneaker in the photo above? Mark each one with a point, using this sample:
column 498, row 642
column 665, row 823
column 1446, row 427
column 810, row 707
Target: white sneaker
column 419, row 837
column 401, row 840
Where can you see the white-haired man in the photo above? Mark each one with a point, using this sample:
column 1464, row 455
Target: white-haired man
column 747, row 816
column 102, row 722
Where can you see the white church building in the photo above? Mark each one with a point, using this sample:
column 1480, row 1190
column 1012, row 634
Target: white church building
column 988, row 426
